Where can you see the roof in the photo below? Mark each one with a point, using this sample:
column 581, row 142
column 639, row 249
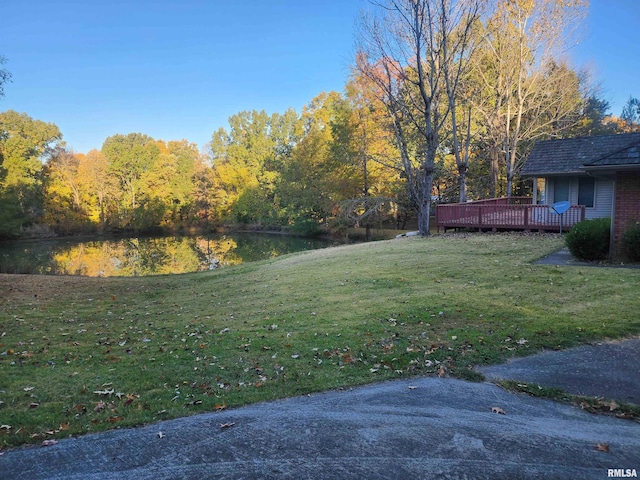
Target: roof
column 575, row 155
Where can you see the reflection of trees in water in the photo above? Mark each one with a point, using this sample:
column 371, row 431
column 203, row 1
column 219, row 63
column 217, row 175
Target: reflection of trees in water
column 154, row 256
column 217, row 252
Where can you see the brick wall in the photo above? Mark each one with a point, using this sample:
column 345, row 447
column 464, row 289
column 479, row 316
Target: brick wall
column 627, row 207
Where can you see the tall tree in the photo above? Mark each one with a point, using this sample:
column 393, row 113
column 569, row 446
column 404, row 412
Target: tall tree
column 247, row 161
column 307, row 186
column 130, row 156
column 363, row 146
column 97, row 185
column 523, row 77
column 25, row 144
column 409, row 49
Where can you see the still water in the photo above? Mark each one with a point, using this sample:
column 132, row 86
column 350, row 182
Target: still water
column 146, row 256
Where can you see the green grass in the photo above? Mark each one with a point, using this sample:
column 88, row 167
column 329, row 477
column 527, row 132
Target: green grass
column 87, row 354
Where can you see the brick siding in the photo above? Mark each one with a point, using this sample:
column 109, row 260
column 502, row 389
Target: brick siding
column 627, row 208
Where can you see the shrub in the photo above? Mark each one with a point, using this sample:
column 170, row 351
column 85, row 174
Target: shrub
column 589, row 239
column 631, row 242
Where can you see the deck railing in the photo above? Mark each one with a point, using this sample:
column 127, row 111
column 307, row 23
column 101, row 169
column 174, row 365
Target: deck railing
column 516, row 213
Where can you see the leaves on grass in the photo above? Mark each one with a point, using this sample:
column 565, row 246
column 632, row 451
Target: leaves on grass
column 498, row 410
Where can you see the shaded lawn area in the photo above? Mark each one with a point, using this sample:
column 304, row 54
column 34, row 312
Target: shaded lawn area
column 83, row 355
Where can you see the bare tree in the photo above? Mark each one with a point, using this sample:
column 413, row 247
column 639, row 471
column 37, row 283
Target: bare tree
column 528, row 91
column 414, row 51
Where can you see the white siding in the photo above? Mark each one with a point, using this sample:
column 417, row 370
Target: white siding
column 603, row 201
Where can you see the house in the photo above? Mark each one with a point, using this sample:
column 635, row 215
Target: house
column 602, row 173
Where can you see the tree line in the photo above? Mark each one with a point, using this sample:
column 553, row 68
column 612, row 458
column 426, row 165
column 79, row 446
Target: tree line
column 444, row 102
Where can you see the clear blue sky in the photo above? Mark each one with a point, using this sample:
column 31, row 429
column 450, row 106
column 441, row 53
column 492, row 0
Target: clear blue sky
column 175, row 69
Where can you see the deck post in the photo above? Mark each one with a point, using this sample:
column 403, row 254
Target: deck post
column 526, row 217
column 480, row 218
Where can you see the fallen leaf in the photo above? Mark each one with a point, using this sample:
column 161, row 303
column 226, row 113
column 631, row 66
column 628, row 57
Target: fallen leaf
column 28, row 389
column 5, row 427
column 498, row 410
column 411, row 387
column 613, row 405
column 48, row 443
column 104, row 392
column 34, row 405
column 227, row 425
column 602, row 447
column 161, row 435
column 441, row 371
column 221, row 406
column 99, row 407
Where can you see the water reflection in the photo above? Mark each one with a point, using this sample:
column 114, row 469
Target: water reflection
column 146, row 256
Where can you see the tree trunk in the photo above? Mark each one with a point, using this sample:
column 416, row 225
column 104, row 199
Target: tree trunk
column 495, row 169
column 462, row 182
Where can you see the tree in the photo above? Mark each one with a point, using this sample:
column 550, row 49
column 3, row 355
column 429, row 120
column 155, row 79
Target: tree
column 25, row 144
column 631, row 111
column 365, row 180
column 593, row 119
column 307, row 184
column 526, row 91
column 409, row 50
column 98, row 187
column 247, row 161
column 5, row 76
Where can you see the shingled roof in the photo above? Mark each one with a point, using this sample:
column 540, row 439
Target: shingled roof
column 572, row 155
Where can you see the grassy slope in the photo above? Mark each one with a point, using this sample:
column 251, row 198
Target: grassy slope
column 82, row 355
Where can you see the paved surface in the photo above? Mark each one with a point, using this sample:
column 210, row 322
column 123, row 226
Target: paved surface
column 608, row 369
column 420, row 428
column 564, row 257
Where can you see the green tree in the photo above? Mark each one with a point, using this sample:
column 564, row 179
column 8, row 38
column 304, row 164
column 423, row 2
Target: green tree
column 308, row 182
column 25, row 144
column 131, row 159
column 631, row 111
column 247, row 161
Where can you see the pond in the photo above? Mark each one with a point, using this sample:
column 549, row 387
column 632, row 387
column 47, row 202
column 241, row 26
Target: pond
column 141, row 256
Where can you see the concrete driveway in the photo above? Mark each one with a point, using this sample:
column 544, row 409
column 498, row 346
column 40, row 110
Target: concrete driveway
column 420, row 428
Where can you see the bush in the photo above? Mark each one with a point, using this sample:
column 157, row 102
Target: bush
column 589, row 239
column 631, row 242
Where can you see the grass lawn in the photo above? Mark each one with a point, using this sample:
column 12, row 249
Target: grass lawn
column 82, row 355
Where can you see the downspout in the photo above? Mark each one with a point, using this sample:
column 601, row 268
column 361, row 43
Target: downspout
column 613, row 218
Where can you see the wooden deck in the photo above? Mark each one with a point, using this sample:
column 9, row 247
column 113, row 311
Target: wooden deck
column 515, row 213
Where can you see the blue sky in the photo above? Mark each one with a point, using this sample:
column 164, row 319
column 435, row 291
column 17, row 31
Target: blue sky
column 177, row 69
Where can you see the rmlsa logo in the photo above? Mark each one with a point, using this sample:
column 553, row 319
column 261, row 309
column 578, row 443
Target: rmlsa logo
column 622, row 473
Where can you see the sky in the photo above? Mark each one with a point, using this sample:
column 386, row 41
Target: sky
column 178, row 69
